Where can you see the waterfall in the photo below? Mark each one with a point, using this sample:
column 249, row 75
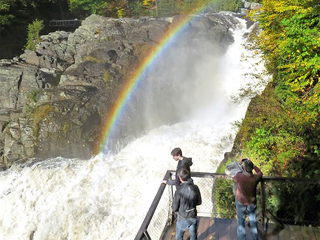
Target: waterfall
column 107, row 197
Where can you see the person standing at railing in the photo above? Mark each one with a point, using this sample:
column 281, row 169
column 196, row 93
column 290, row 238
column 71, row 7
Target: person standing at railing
column 186, row 199
column 246, row 202
column 183, row 163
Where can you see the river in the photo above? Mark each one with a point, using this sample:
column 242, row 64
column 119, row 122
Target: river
column 107, row 197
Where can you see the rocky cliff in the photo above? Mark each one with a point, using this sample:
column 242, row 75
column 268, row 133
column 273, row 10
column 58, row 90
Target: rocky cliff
column 53, row 101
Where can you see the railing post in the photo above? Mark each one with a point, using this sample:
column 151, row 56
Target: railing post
column 263, row 205
column 171, row 214
column 147, row 236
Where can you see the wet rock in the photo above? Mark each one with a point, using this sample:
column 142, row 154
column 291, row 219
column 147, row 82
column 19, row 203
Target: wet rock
column 54, row 100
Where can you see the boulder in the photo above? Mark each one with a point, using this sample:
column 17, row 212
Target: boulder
column 55, row 100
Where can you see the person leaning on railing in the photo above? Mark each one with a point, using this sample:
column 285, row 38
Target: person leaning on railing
column 246, row 202
column 183, row 163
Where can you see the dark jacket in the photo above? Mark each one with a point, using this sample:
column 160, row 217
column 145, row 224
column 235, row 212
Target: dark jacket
column 185, row 163
column 186, row 198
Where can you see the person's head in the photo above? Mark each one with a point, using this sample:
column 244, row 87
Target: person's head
column 176, row 153
column 248, row 166
column 183, row 175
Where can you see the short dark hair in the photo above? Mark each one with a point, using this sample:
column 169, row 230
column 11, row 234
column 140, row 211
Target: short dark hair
column 248, row 166
column 176, row 152
column 184, row 174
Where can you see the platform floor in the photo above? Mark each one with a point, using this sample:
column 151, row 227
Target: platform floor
column 226, row 229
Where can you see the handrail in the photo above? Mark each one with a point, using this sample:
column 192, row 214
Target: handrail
column 143, row 229
column 290, row 179
column 222, row 175
column 143, row 234
column 65, row 23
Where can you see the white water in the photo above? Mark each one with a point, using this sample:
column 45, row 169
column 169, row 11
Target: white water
column 107, row 197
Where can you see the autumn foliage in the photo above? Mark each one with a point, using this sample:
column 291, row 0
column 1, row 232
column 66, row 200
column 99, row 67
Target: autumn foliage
column 286, row 140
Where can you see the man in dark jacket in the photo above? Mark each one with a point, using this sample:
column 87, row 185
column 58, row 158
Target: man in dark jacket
column 186, row 198
column 183, row 163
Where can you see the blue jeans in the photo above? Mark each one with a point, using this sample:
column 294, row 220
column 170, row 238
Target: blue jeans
column 242, row 211
column 183, row 225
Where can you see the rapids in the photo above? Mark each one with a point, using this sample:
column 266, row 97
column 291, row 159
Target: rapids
column 107, row 197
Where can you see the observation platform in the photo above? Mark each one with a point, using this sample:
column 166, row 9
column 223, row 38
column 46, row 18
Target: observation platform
column 226, row 229
column 288, row 208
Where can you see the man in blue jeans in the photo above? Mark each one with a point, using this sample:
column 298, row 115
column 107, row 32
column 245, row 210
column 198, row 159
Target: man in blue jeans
column 246, row 202
column 186, row 198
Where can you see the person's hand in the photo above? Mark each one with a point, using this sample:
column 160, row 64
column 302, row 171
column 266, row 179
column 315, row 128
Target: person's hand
column 164, row 181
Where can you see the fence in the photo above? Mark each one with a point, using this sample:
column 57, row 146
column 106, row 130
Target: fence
column 65, row 23
column 280, row 200
column 291, row 200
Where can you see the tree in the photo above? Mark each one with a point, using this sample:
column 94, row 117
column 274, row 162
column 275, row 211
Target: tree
column 114, row 8
column 83, row 8
column 5, row 15
column 226, row 5
column 290, row 41
column 15, row 15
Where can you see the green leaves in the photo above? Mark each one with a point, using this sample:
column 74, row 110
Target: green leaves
column 224, row 198
column 5, row 15
column 33, row 34
column 226, row 5
column 83, row 8
column 290, row 41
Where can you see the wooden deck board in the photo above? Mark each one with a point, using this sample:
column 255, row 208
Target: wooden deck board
column 295, row 232
column 225, row 229
column 317, row 232
column 307, row 233
column 285, row 233
column 270, row 234
column 233, row 229
column 203, row 226
column 213, row 230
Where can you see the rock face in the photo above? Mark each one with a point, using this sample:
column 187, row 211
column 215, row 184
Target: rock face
column 53, row 101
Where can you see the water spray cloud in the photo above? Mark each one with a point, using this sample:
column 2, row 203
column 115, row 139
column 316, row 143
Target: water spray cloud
column 137, row 77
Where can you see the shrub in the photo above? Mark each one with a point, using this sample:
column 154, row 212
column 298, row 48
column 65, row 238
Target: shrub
column 224, row 198
column 33, row 34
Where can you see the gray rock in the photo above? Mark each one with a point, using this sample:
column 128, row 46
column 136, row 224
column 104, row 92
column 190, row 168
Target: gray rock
column 255, row 6
column 54, row 100
column 247, row 5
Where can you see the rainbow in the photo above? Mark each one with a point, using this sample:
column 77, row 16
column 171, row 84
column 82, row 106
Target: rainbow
column 137, row 76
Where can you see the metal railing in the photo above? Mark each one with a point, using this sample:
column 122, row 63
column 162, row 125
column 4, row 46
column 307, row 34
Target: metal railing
column 65, row 23
column 219, row 202
column 302, row 200
column 143, row 232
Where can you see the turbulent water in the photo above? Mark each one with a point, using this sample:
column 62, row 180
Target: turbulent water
column 107, row 197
